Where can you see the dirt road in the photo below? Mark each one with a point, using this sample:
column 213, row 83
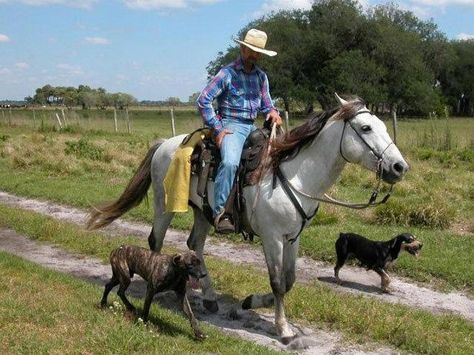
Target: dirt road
column 358, row 281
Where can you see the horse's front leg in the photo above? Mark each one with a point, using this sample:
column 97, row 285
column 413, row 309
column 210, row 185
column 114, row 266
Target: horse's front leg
column 280, row 256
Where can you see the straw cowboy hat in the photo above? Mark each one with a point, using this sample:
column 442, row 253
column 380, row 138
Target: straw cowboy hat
column 256, row 40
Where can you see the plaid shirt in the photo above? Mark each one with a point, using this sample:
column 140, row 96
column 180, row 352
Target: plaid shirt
column 239, row 95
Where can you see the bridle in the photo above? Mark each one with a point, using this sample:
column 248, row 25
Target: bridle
column 373, row 198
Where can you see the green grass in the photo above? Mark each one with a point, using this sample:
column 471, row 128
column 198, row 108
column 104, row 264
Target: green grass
column 360, row 319
column 435, row 201
column 46, row 312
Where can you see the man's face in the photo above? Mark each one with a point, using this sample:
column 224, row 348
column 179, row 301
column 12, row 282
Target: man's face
column 248, row 55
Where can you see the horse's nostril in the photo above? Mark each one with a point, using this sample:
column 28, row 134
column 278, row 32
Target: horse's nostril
column 399, row 168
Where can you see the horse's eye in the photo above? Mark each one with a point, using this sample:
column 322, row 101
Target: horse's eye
column 366, row 128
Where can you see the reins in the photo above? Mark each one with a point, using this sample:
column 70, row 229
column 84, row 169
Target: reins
column 372, row 202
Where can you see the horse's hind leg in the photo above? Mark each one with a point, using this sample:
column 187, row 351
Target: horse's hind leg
column 161, row 221
column 160, row 226
column 196, row 242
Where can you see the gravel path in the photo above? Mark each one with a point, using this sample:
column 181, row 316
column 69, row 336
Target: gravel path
column 250, row 325
column 358, row 281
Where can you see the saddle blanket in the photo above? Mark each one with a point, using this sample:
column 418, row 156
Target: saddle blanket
column 178, row 176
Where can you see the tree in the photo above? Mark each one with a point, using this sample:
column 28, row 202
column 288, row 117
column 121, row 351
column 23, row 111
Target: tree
column 173, row 101
column 193, row 98
column 87, row 99
column 458, row 84
column 121, row 100
column 386, row 55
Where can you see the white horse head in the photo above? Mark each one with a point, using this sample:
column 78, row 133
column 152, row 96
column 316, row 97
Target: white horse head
column 365, row 141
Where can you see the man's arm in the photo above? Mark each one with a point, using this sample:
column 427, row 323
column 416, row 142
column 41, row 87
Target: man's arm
column 266, row 105
column 215, row 87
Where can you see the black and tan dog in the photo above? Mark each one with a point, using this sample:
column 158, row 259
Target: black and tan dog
column 374, row 255
column 162, row 272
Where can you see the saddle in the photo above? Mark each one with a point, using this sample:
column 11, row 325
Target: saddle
column 205, row 160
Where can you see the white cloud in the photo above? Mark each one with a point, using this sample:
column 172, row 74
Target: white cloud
column 22, row 65
column 83, row 4
column 69, row 69
column 444, row 3
column 277, row 5
column 4, row 71
column 165, row 4
column 422, row 12
column 4, row 38
column 465, row 37
column 97, row 40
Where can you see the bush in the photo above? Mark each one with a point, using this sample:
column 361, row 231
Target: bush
column 4, row 137
column 432, row 214
column 84, row 149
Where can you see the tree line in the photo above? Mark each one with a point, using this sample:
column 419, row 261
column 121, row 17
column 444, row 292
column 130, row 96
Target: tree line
column 88, row 97
column 83, row 96
column 385, row 55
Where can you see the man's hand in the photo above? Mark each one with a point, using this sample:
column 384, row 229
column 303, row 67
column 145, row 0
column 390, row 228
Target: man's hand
column 220, row 136
column 274, row 117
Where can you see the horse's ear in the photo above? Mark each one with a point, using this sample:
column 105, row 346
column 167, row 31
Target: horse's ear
column 340, row 99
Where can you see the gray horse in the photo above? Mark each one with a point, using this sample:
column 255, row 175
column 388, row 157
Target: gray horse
column 310, row 157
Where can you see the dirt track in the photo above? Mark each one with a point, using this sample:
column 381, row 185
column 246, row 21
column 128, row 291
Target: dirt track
column 256, row 326
column 250, row 325
column 357, row 281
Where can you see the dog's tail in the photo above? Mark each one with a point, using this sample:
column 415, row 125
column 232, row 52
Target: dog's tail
column 131, row 197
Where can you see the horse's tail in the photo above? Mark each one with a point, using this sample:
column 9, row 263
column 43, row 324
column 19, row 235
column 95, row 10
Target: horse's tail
column 132, row 196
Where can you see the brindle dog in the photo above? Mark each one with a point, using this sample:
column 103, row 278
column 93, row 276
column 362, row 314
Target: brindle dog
column 374, row 255
column 162, row 272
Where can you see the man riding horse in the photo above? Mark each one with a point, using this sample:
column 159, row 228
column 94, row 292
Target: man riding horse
column 241, row 90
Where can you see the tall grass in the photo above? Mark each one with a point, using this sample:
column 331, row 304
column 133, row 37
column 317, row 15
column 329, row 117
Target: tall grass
column 85, row 167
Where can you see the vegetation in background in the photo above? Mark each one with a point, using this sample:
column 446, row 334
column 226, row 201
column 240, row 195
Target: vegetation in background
column 386, row 55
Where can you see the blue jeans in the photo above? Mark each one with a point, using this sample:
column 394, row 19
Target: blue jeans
column 231, row 150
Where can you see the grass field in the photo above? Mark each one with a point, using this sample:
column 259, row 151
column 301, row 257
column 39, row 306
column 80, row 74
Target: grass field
column 84, row 165
column 44, row 312
column 88, row 162
column 65, row 314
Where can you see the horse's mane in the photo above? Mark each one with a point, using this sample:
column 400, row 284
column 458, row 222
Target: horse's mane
column 288, row 145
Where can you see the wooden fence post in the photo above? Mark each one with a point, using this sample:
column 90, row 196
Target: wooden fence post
column 34, row 118
column 10, row 117
column 173, row 129
column 287, row 121
column 115, row 120
column 3, row 115
column 59, row 121
column 394, row 122
column 64, row 117
column 128, row 120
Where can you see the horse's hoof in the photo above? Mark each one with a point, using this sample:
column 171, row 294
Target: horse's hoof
column 287, row 340
column 211, row 306
column 247, row 303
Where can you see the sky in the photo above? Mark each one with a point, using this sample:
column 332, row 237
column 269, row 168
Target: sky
column 152, row 49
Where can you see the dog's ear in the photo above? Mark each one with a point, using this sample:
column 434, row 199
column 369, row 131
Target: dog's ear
column 178, row 259
column 394, row 243
column 408, row 237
